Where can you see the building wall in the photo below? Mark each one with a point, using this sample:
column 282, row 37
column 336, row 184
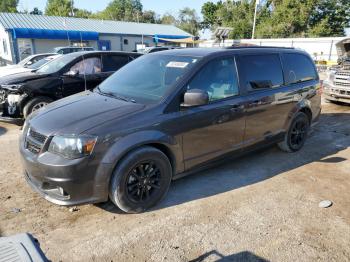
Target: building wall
column 47, row 45
column 133, row 40
column 6, row 48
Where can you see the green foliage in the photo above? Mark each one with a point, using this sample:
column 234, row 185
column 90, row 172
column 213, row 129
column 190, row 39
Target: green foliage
column 149, row 16
column 168, row 19
column 8, row 6
column 122, row 10
column 58, row 8
column 279, row 18
column 82, row 13
column 189, row 21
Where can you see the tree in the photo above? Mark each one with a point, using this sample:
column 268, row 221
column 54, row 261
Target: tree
column 59, row 7
column 330, row 18
column 36, row 11
column 210, row 16
column 8, row 6
column 123, row 10
column 82, row 13
column 168, row 19
column 189, row 21
column 149, row 16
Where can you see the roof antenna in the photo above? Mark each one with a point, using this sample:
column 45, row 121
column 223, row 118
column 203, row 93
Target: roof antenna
column 84, row 65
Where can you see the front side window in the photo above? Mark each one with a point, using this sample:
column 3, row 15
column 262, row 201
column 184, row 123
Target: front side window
column 218, row 78
column 262, row 71
column 149, row 78
column 88, row 66
column 298, row 68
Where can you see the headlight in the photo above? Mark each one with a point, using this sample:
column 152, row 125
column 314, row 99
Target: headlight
column 72, row 147
column 12, row 87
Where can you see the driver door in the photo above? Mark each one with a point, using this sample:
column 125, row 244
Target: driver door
column 88, row 76
column 216, row 128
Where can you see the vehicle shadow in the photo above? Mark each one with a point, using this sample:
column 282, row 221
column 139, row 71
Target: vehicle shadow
column 330, row 136
column 214, row 255
column 3, row 130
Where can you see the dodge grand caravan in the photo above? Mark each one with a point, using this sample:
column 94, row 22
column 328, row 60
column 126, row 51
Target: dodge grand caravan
column 165, row 115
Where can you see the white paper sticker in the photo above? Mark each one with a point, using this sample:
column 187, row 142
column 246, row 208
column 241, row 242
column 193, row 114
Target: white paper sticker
column 177, row 64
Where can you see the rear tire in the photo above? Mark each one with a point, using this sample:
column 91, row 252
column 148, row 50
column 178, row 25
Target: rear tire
column 140, row 180
column 35, row 104
column 296, row 136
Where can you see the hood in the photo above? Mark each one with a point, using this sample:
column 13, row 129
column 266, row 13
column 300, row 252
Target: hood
column 20, row 78
column 14, row 70
column 78, row 113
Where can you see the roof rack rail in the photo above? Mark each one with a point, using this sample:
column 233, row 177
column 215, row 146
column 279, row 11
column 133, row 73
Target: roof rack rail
column 255, row 46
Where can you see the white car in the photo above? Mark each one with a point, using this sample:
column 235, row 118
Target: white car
column 15, row 69
column 25, row 63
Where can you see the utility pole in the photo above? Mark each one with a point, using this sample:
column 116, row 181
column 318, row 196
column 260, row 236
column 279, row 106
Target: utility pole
column 255, row 11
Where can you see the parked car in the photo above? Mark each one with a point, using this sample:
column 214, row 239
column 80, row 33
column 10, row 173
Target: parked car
column 25, row 63
column 166, row 115
column 29, row 68
column 23, row 93
column 71, row 49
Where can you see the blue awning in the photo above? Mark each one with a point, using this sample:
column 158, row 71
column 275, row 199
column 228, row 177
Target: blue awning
column 53, row 34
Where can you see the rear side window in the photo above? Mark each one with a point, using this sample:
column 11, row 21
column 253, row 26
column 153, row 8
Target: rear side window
column 262, row 71
column 113, row 63
column 298, row 68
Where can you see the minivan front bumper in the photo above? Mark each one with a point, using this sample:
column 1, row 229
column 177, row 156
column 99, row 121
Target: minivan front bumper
column 66, row 182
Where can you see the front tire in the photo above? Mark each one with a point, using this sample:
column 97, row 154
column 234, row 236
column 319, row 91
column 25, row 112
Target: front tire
column 140, row 180
column 296, row 136
column 35, row 104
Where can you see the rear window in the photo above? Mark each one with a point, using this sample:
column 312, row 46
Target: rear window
column 262, row 71
column 298, row 68
column 113, row 63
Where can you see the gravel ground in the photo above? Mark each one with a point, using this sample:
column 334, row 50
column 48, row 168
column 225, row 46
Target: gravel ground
column 263, row 206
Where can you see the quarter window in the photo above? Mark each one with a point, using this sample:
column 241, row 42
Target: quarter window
column 218, row 78
column 298, row 68
column 262, row 71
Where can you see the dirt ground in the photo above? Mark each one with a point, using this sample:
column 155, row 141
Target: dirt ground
column 263, row 206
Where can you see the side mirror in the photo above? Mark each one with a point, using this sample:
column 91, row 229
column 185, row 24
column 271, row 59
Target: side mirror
column 195, row 97
column 72, row 73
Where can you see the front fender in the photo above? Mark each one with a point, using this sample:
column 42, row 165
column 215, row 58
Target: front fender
column 123, row 145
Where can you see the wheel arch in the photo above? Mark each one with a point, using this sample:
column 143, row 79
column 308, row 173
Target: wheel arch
column 164, row 143
column 303, row 106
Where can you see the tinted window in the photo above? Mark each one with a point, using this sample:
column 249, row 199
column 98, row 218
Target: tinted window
column 298, row 68
column 88, row 66
column 112, row 63
column 218, row 78
column 262, row 71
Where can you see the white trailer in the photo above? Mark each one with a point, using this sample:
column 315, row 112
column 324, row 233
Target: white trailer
column 322, row 48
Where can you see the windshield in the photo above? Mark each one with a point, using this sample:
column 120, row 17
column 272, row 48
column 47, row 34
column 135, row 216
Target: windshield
column 148, row 78
column 56, row 65
column 25, row 60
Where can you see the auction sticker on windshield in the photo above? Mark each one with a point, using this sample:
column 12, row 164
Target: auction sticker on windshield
column 177, row 64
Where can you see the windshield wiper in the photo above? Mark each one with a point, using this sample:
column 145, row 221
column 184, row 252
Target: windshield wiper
column 111, row 94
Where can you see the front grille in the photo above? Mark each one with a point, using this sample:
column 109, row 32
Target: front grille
column 337, row 83
column 37, row 136
column 35, row 149
column 341, row 92
column 343, row 73
column 34, row 141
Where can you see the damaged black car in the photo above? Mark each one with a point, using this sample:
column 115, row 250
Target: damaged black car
column 23, row 93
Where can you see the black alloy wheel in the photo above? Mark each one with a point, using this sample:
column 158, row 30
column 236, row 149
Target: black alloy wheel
column 143, row 181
